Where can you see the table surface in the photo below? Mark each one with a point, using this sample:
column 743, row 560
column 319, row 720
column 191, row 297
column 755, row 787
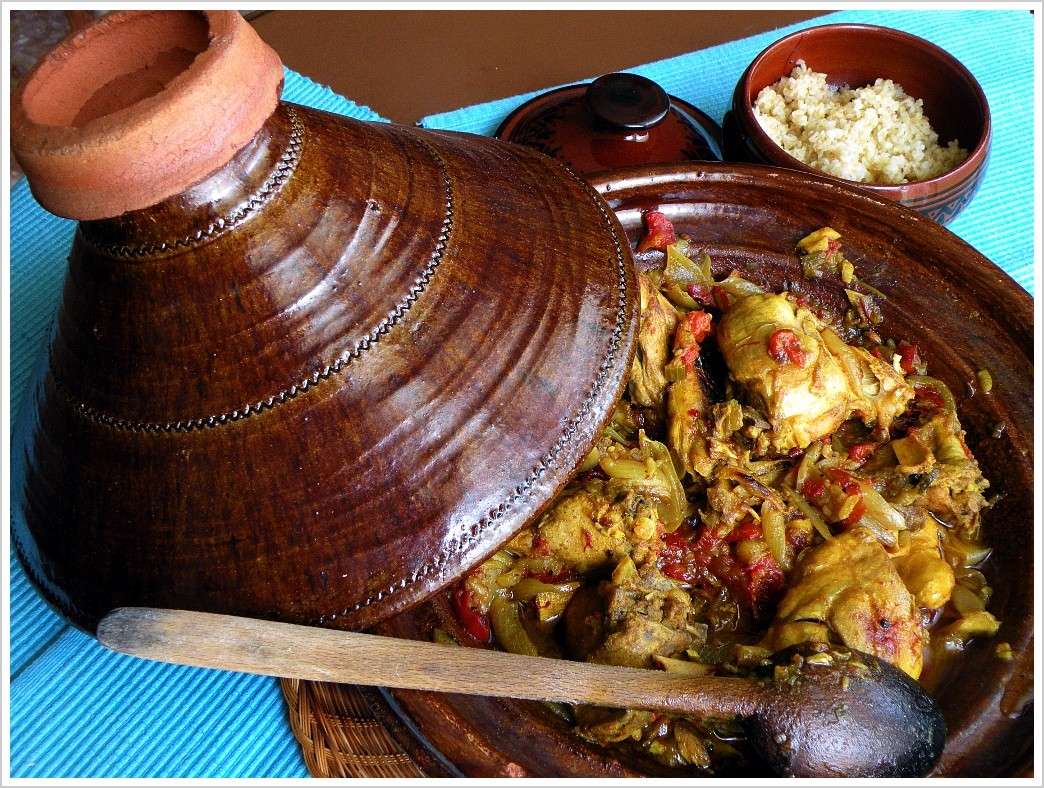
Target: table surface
column 408, row 64
column 78, row 710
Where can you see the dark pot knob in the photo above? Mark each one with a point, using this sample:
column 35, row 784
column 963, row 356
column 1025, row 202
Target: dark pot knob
column 627, row 101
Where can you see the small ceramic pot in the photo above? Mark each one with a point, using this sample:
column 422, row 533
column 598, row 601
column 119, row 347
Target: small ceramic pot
column 619, row 120
column 857, row 55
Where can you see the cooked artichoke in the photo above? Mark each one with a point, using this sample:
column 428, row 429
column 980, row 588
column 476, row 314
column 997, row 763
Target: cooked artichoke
column 687, row 408
column 952, row 485
column 647, row 470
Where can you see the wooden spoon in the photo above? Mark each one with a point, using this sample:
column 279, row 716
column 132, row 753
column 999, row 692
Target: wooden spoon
column 813, row 711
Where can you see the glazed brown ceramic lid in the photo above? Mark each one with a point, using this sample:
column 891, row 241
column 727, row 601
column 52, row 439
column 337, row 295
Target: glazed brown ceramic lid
column 324, row 379
column 618, row 120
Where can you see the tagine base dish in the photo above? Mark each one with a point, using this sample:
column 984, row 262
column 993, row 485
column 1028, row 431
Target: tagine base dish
column 750, row 218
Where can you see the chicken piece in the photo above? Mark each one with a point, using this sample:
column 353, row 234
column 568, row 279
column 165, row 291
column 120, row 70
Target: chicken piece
column 636, row 640
column 804, row 397
column 879, row 392
column 801, row 375
column 647, row 614
column 923, row 569
column 648, row 382
column 584, row 530
column 849, row 585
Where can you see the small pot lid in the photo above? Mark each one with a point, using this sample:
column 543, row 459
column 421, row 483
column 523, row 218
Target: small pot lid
column 325, row 380
column 618, row 120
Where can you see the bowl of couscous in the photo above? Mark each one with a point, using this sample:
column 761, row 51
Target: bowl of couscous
column 873, row 106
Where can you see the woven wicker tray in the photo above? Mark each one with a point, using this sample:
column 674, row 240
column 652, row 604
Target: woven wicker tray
column 340, row 735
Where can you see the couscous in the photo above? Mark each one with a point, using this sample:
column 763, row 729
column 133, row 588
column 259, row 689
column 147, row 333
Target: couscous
column 872, row 134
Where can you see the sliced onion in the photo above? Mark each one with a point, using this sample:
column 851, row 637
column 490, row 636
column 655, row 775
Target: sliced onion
column 882, row 511
column 736, row 285
column 810, row 512
column 774, row 527
column 809, row 459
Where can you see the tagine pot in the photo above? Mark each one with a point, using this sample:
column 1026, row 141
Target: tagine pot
column 305, row 368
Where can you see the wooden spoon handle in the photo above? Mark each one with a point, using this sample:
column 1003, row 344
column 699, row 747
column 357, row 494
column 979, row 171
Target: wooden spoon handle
column 269, row 648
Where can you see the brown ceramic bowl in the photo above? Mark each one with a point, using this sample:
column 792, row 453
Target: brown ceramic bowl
column 749, row 218
column 856, row 55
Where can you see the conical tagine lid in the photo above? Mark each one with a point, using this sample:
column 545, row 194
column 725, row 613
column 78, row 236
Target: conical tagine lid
column 305, row 368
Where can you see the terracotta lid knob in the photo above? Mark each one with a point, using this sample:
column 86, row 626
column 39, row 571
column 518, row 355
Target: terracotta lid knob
column 628, row 101
column 138, row 106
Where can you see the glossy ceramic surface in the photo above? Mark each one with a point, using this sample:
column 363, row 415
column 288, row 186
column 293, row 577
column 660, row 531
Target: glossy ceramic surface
column 857, row 55
column 964, row 313
column 619, row 120
column 324, row 381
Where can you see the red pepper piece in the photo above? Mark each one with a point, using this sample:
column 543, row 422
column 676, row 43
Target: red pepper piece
column 689, row 356
column 784, row 345
column 685, row 554
column 701, row 294
column 850, row 485
column 748, row 529
column 765, row 582
column 929, row 397
column 909, row 356
column 813, row 489
column 699, row 324
column 588, row 540
column 474, row 623
column 861, row 452
column 721, row 297
column 659, row 232
column 757, row 586
column 833, row 245
column 541, row 547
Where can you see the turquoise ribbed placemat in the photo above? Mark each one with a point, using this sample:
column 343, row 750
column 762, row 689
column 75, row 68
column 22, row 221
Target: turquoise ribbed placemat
column 996, row 46
column 78, row 710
